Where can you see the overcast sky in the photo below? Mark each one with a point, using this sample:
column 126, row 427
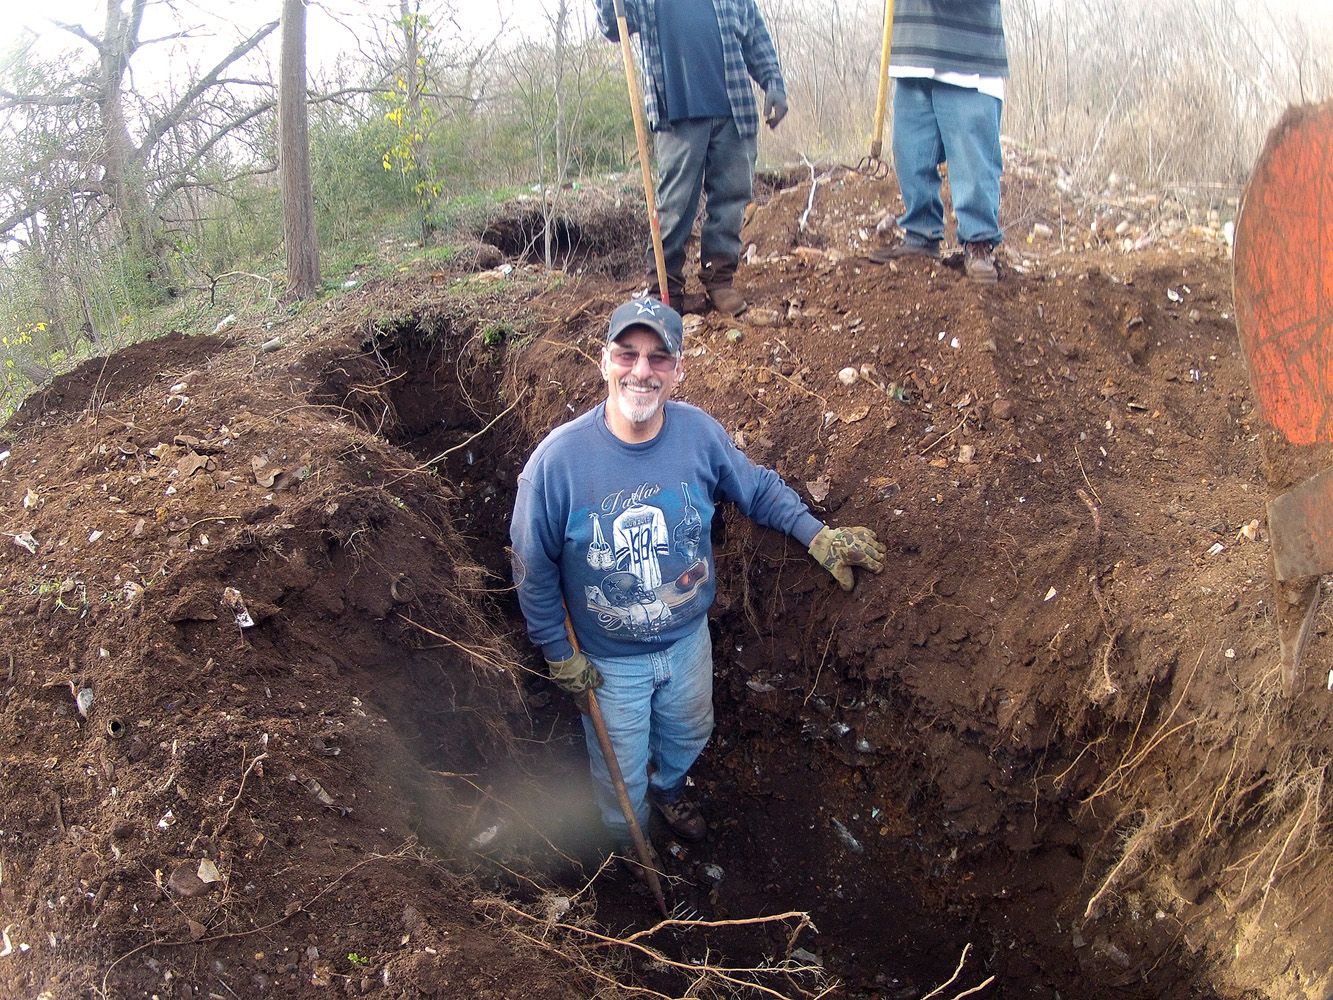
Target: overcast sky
column 330, row 22
column 335, row 26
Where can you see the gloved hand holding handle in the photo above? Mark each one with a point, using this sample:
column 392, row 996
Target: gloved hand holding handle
column 576, row 676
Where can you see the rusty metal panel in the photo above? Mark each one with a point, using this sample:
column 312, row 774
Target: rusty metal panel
column 1300, row 522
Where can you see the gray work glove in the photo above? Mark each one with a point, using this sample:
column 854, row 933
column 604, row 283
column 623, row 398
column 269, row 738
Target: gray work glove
column 575, row 676
column 775, row 107
column 839, row 549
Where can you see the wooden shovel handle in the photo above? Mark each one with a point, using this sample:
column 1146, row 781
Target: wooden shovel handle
column 641, row 136
column 618, row 781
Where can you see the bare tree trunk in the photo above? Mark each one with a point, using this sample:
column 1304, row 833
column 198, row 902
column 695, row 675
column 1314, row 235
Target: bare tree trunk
column 415, row 80
column 49, row 269
column 410, row 21
column 123, row 177
column 551, row 194
column 298, row 203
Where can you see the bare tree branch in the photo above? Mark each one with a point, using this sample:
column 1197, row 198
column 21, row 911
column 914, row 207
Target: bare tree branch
column 176, row 114
column 186, row 170
column 79, row 32
column 183, row 33
column 33, row 209
column 10, row 100
column 242, row 81
column 217, row 185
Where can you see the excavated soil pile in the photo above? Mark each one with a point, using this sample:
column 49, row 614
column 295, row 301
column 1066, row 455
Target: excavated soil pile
column 267, row 725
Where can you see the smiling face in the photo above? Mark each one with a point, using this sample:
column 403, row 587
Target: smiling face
column 640, row 377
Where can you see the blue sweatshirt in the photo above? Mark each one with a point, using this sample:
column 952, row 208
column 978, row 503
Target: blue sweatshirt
column 620, row 533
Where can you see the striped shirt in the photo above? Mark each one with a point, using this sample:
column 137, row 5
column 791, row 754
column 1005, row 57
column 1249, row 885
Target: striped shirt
column 950, row 36
column 747, row 53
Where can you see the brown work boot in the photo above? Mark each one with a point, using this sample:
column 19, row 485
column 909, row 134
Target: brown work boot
column 689, row 302
column 716, row 276
column 684, row 818
column 675, row 286
column 679, row 299
column 930, row 250
column 727, row 300
column 979, row 262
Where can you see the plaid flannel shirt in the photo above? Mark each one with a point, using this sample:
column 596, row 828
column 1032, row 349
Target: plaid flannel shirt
column 747, row 51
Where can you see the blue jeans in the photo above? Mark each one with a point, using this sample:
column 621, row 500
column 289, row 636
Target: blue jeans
column 705, row 155
column 934, row 123
column 658, row 709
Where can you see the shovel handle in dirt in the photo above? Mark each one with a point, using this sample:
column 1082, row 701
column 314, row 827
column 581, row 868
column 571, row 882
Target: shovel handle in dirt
column 1282, row 274
column 618, row 781
column 873, row 165
column 641, row 137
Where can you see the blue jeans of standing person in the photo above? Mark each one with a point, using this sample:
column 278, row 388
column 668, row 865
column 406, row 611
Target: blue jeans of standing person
column 658, row 709
column 707, row 155
column 936, row 123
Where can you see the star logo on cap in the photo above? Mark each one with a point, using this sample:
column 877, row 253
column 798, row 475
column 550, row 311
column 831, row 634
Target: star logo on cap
column 646, row 307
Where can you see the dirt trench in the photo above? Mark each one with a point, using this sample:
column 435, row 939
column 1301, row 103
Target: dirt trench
column 1050, row 733
column 833, row 784
column 801, row 762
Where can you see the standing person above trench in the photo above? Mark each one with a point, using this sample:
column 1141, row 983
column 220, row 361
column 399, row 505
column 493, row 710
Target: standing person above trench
column 949, row 63
column 613, row 522
column 698, row 59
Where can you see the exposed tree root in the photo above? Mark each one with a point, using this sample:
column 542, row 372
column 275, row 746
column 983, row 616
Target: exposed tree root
column 703, row 975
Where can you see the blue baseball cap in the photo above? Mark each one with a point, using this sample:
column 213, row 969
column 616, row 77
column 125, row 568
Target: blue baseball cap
column 653, row 315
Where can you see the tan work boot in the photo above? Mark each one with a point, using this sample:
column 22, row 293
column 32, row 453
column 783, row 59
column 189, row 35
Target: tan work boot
column 727, row 300
column 716, row 276
column 684, row 818
column 979, row 262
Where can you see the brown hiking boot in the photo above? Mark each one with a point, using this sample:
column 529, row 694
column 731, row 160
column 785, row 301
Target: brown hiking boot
column 684, row 818
column 907, row 248
column 689, row 302
column 979, row 262
column 679, row 299
column 716, row 275
column 727, row 300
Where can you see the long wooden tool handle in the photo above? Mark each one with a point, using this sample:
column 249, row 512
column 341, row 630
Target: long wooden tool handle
column 883, row 99
column 641, row 136
column 618, row 782
column 617, row 779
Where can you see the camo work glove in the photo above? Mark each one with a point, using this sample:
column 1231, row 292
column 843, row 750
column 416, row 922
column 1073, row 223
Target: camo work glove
column 839, row 549
column 575, row 676
column 775, row 107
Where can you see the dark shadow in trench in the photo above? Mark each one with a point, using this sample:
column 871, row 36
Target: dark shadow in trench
column 804, row 814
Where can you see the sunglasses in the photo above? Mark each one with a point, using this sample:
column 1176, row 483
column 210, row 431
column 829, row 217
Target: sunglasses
column 658, row 361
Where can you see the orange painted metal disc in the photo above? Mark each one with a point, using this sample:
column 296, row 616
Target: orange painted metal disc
column 1284, row 276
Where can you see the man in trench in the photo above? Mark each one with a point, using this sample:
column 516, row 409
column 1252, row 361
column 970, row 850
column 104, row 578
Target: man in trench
column 612, row 525
column 698, row 59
